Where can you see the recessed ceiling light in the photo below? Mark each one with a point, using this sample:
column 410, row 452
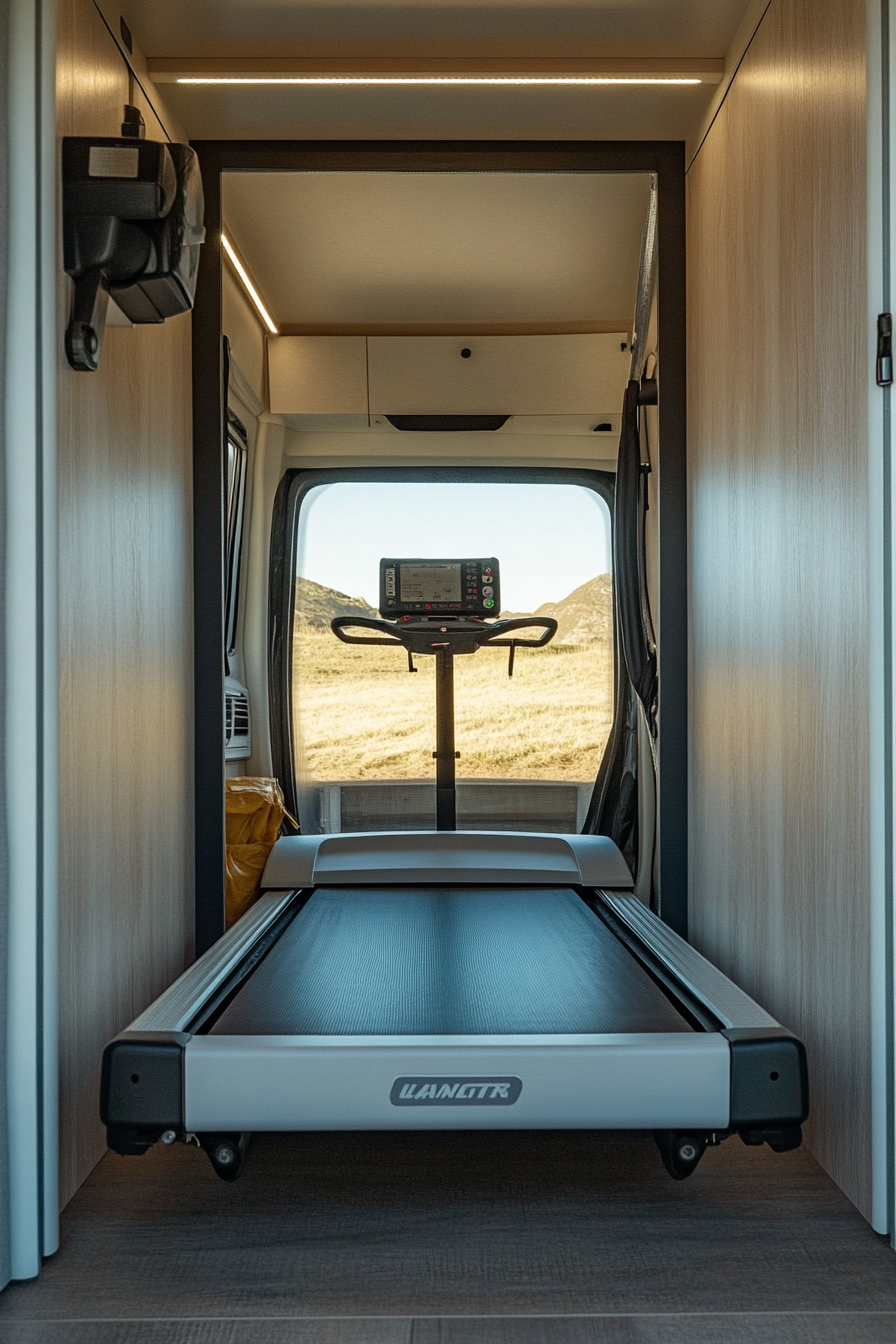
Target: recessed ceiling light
column 249, row 287
column 435, row 79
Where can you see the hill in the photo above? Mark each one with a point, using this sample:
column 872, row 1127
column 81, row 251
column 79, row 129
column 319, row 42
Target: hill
column 584, row 616
column 316, row 605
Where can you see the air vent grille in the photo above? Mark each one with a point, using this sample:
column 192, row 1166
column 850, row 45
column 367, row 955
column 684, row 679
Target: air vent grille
column 447, row 424
column 237, row 736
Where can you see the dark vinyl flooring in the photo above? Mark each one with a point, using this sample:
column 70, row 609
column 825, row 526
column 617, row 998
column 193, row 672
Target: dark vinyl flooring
column 516, row 1238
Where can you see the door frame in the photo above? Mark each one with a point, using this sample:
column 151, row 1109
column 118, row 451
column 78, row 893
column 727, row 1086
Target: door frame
column 665, row 159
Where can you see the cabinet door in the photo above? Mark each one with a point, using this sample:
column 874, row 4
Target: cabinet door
column 498, row 375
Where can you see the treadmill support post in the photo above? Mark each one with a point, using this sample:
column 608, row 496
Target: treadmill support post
column 462, row 637
column 445, row 754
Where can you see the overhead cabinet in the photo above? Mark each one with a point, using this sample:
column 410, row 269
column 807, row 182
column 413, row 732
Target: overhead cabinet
column 495, row 375
column 577, row 381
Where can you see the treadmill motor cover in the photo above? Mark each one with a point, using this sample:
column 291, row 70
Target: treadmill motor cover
column 446, row 858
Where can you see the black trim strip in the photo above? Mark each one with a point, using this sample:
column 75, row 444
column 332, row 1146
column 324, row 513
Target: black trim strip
column 697, row 1014
column 208, row 1014
column 637, row 641
column 208, row 576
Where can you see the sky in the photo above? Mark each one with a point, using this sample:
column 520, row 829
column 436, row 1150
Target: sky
column 549, row 539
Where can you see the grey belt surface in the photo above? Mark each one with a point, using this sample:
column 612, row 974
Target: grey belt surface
column 447, row 961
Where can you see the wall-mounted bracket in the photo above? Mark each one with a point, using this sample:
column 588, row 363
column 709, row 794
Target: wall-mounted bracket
column 648, row 393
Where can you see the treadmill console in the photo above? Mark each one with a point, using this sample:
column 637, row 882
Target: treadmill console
column 439, row 587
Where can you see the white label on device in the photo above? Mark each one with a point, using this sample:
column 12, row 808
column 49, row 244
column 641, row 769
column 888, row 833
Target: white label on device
column 114, row 161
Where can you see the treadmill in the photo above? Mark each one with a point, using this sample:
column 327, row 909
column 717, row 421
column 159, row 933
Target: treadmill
column 451, row 979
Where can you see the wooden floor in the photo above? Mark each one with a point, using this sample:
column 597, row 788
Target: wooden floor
column 544, row 1238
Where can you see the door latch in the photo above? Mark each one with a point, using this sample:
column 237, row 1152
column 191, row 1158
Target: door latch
column 885, row 350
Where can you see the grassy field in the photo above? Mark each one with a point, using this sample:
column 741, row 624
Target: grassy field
column 360, row 715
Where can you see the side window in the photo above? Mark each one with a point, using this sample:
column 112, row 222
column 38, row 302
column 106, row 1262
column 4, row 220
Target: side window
column 234, row 500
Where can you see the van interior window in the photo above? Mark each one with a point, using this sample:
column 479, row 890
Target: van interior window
column 235, row 495
column 363, row 727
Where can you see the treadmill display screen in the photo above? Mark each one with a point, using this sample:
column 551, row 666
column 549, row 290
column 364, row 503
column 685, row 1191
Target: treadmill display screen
column 431, row 583
column 420, row 587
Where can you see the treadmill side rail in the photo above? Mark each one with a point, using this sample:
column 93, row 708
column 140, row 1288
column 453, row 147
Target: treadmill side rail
column 175, row 1009
column 769, row 1070
column 142, row 1081
column 725, row 1000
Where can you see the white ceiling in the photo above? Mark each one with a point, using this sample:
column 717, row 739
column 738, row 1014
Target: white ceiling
column 436, row 29
column 429, row 248
column 211, row 113
column 367, row 28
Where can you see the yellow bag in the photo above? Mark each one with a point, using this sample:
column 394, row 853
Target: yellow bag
column 254, row 812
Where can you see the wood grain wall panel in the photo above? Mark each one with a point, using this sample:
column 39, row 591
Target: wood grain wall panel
column 125, row 651
column 779, row 514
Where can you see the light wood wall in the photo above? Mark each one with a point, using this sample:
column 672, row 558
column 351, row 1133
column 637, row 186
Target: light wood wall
column 125, row 650
column 779, row 512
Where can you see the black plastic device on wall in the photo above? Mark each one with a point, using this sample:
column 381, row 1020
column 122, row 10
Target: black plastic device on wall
column 132, row 219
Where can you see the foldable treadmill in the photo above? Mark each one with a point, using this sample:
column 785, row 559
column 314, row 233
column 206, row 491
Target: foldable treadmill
column 451, row 979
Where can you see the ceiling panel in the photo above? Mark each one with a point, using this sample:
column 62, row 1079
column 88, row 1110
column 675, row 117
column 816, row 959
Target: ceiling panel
column 433, row 113
column 435, row 30
column 433, row 248
column 412, row 27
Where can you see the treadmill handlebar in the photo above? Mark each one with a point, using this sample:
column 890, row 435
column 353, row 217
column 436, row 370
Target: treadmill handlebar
column 432, row 636
column 443, row 637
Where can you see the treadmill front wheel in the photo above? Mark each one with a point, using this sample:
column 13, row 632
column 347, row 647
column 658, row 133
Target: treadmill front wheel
column 226, row 1152
column 680, row 1150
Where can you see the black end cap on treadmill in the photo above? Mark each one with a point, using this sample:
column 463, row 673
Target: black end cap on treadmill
column 769, row 1078
column 130, row 1142
column 142, row 1083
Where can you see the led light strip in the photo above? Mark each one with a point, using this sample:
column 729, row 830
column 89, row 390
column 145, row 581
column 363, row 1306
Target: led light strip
column 250, row 288
column 432, row 79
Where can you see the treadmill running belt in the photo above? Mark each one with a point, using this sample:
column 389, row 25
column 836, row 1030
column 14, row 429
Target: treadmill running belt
column 447, row 961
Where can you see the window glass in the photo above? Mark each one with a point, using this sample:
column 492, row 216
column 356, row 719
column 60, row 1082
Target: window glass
column 233, row 464
column 237, row 455
column 361, row 720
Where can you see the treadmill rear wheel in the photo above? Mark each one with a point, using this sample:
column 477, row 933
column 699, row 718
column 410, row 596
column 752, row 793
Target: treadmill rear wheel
column 226, row 1152
column 680, row 1150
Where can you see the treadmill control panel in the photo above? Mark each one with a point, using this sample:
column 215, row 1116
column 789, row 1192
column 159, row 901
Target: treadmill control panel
column 440, row 587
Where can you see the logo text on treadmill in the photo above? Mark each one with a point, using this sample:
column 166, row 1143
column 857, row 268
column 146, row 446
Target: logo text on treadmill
column 442, row 1091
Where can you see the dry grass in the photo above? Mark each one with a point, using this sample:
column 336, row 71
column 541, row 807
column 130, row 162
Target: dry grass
column 362, row 716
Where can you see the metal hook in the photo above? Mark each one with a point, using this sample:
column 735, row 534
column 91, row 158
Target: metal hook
column 411, row 667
